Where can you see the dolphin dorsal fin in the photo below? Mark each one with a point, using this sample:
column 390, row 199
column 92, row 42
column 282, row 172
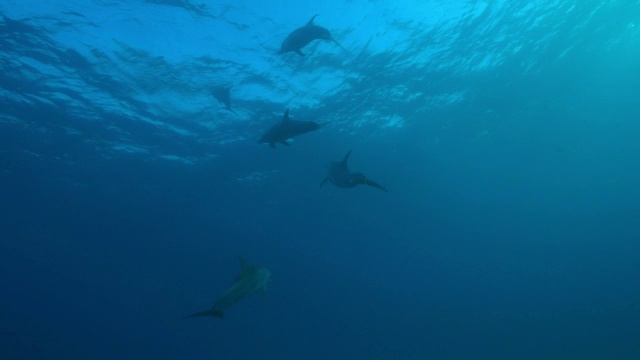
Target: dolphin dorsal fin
column 346, row 158
column 285, row 117
column 311, row 20
column 243, row 262
column 245, row 268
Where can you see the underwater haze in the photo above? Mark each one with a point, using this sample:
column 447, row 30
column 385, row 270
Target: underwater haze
column 505, row 132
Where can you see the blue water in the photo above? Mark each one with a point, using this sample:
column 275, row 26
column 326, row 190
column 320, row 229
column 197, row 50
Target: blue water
column 506, row 132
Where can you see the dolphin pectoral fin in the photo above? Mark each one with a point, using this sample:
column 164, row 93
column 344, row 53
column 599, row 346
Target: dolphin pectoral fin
column 212, row 312
column 375, row 185
column 324, row 181
column 299, row 52
column 285, row 143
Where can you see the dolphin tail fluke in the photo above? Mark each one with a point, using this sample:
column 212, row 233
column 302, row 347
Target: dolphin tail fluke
column 212, row 312
column 375, row 185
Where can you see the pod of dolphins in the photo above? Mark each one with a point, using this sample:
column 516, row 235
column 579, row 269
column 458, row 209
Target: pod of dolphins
column 251, row 279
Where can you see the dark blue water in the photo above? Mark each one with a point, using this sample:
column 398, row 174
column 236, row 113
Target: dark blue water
column 506, row 132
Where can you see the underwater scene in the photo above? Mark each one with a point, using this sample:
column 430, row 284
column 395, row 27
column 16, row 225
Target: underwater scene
column 340, row 179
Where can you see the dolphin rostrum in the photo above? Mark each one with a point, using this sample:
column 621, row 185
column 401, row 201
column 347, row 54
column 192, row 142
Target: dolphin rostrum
column 302, row 36
column 249, row 281
column 223, row 95
column 340, row 176
column 286, row 129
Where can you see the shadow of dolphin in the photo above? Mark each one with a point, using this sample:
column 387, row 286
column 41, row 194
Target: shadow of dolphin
column 286, row 129
column 249, row 281
column 302, row 36
column 223, row 95
column 340, row 176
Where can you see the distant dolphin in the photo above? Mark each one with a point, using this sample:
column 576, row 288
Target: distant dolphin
column 302, row 36
column 249, row 281
column 340, row 176
column 223, row 95
column 286, row 129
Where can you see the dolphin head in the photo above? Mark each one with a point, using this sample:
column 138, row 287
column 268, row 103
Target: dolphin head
column 312, row 125
column 263, row 277
column 322, row 33
column 357, row 178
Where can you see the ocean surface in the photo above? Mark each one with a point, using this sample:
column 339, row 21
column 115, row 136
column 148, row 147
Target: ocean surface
column 506, row 132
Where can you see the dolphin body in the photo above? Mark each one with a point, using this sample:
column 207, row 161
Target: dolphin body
column 223, row 95
column 249, row 281
column 340, row 176
column 286, row 129
column 302, row 36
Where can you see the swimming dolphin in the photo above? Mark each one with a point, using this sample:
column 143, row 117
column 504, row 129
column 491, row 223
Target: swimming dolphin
column 340, row 176
column 302, row 36
column 286, row 129
column 249, row 281
column 223, row 95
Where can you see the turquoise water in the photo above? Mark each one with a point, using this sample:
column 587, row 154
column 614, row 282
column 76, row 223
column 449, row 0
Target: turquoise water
column 505, row 131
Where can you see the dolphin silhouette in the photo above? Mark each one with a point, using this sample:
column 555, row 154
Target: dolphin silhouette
column 340, row 176
column 249, row 281
column 223, row 95
column 286, row 129
column 302, row 36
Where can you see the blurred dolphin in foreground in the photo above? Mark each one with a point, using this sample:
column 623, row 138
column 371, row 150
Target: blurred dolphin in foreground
column 286, row 129
column 223, row 95
column 302, row 36
column 249, row 281
column 340, row 176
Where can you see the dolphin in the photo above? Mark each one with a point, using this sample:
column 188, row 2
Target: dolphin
column 249, row 281
column 223, row 95
column 286, row 129
column 302, row 36
column 340, row 176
